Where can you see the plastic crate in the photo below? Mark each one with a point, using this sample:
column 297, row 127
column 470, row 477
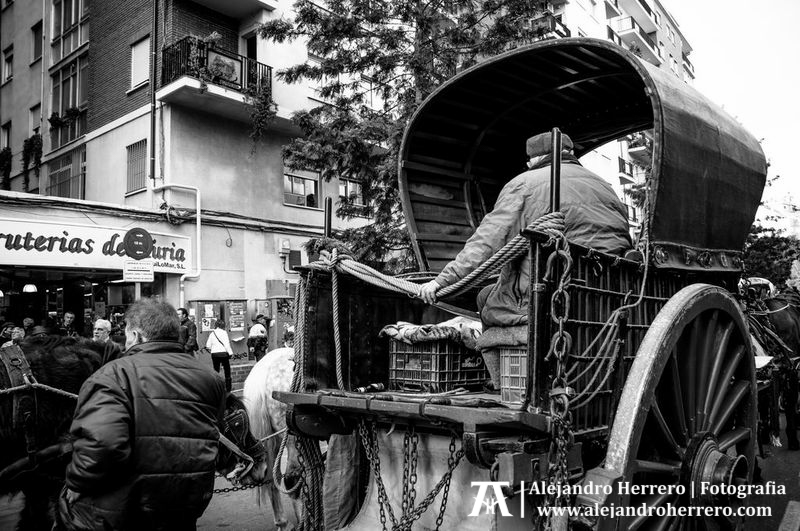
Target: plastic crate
column 435, row 367
column 513, row 374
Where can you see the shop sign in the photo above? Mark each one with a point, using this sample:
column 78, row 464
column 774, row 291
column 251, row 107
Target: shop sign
column 54, row 244
column 138, row 271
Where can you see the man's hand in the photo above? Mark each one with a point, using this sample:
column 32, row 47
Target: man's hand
column 71, row 496
column 428, row 291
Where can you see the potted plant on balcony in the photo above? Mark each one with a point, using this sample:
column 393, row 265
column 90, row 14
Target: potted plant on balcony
column 72, row 115
column 56, row 121
column 31, row 152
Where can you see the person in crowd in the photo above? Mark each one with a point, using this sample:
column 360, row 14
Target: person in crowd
column 188, row 331
column 68, row 325
column 145, row 433
column 27, row 325
column 5, row 332
column 17, row 335
column 594, row 217
column 101, row 333
column 219, row 345
column 288, row 337
column 257, row 338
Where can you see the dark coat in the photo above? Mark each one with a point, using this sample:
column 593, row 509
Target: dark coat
column 594, row 217
column 188, row 335
column 146, row 433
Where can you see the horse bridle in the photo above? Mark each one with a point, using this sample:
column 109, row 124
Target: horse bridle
column 237, row 425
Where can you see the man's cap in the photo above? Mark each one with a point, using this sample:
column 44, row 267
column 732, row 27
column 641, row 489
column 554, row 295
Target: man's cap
column 260, row 316
column 542, row 144
column 7, row 324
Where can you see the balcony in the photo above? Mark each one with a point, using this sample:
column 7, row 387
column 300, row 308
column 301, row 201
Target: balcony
column 239, row 8
column 613, row 37
column 199, row 75
column 547, row 26
column 612, row 9
column 636, row 37
column 625, row 172
column 642, row 12
column 640, row 148
column 687, row 65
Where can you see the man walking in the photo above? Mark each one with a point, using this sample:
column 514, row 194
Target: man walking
column 188, row 336
column 257, row 338
column 145, row 433
column 68, row 325
column 101, row 333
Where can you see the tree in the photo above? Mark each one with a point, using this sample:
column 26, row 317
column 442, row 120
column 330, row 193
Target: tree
column 397, row 52
column 769, row 254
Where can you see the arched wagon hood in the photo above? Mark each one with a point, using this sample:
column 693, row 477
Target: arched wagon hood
column 468, row 139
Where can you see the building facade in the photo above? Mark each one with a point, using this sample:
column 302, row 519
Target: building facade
column 122, row 115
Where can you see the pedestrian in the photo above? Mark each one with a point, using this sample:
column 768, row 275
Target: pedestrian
column 101, row 333
column 5, row 332
column 219, row 345
column 27, row 325
column 145, row 433
column 188, row 332
column 68, row 325
column 288, row 337
column 17, row 335
column 258, row 338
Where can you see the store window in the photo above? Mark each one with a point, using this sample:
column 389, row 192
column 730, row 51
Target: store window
column 301, row 188
column 36, row 41
column 67, row 174
column 137, row 166
column 352, row 190
column 8, row 64
column 140, row 62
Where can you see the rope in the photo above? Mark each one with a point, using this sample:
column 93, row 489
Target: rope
column 337, row 336
column 36, row 385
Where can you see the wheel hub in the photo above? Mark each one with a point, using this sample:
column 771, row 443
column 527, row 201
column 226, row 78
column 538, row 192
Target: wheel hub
column 708, row 469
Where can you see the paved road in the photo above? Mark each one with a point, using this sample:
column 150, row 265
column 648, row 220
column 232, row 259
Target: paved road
column 238, row 511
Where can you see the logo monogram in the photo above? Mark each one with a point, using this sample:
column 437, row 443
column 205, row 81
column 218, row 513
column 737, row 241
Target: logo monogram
column 497, row 500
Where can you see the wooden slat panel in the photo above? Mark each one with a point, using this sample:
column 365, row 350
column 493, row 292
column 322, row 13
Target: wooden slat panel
column 417, row 198
column 439, row 237
column 462, row 230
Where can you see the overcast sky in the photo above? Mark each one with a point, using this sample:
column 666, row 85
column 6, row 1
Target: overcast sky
column 747, row 59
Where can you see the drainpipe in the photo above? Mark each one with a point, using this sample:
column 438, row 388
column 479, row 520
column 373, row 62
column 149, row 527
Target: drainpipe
column 198, row 242
column 153, row 62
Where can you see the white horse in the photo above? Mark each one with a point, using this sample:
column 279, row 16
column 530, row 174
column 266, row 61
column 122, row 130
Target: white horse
column 268, row 417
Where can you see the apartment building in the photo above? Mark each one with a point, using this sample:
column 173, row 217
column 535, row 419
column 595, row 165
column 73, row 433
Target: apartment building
column 646, row 28
column 118, row 167
column 135, row 121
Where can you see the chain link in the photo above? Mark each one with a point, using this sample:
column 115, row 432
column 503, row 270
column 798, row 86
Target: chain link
column 370, row 441
column 560, row 346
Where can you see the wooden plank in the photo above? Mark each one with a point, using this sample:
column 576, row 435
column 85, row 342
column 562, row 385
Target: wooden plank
column 434, row 237
column 436, row 170
column 418, row 198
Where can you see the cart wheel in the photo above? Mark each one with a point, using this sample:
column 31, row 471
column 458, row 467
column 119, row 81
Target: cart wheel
column 687, row 415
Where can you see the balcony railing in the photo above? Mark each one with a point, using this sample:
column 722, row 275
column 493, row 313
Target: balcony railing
column 613, row 37
column 196, row 58
column 548, row 26
column 72, row 188
column 628, row 23
column 625, row 167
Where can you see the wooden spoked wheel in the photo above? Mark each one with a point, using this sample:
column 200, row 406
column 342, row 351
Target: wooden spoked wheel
column 687, row 414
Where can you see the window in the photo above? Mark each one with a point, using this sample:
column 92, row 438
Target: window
column 67, row 174
column 70, row 26
column 70, row 95
column 137, row 166
column 36, row 42
column 351, row 190
column 8, row 64
column 657, row 16
column 140, row 62
column 672, row 35
column 35, row 119
column 301, row 188
column 5, row 135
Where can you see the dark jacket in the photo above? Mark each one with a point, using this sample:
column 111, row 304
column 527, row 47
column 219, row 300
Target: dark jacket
column 188, row 335
column 594, row 217
column 145, row 440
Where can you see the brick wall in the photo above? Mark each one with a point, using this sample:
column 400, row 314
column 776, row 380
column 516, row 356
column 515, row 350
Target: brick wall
column 239, row 372
column 123, row 23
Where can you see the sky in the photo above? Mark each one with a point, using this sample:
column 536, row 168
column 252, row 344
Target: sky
column 746, row 56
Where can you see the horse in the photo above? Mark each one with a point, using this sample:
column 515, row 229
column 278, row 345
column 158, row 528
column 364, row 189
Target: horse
column 273, row 372
column 63, row 364
column 783, row 313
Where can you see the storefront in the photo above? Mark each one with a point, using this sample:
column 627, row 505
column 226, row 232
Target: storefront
column 52, row 264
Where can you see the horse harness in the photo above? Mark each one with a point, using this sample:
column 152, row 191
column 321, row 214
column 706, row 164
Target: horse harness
column 237, row 425
column 22, row 387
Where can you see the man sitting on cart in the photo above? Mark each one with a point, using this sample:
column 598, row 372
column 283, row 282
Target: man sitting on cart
column 594, row 217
